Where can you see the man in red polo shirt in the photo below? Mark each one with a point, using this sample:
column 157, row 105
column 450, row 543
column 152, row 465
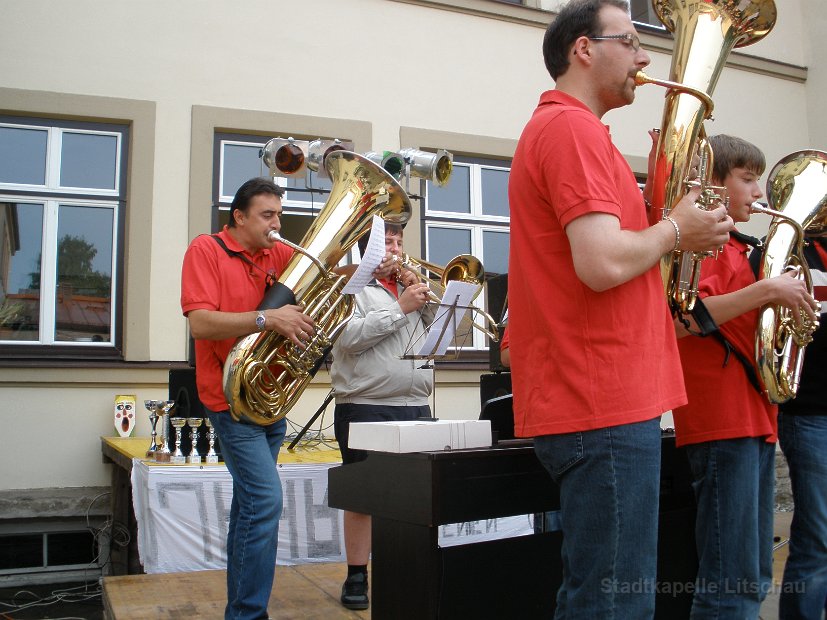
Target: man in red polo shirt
column 223, row 280
column 593, row 353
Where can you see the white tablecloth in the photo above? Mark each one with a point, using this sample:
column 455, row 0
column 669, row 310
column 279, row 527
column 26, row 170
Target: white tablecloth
column 183, row 513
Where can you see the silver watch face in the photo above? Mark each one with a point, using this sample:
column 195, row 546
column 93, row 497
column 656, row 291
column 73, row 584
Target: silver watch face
column 260, row 320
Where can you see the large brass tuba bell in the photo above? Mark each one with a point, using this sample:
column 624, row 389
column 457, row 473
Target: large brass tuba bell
column 705, row 33
column 266, row 373
column 797, row 195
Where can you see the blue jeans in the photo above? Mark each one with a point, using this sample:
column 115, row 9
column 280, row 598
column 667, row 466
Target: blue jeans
column 250, row 452
column 804, row 443
column 734, row 483
column 609, row 482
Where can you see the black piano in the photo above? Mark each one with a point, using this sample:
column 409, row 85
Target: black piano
column 411, row 495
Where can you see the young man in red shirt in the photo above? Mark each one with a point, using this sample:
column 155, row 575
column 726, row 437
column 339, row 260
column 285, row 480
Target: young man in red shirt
column 593, row 353
column 729, row 427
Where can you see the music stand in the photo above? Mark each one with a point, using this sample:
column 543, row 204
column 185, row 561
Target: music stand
column 313, row 418
column 442, row 330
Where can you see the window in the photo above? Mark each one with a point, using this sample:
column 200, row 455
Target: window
column 470, row 215
column 237, row 158
column 643, row 13
column 62, row 191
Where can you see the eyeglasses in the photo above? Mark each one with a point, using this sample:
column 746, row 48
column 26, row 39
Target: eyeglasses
column 632, row 40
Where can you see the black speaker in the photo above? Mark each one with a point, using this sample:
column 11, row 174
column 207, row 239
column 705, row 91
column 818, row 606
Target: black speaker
column 183, row 391
column 497, row 300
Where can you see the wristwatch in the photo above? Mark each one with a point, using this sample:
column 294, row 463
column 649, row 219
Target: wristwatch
column 260, row 321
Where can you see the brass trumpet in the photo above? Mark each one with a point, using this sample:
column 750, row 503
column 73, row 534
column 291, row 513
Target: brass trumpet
column 461, row 268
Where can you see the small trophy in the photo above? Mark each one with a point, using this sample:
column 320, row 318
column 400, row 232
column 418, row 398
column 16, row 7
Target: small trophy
column 178, row 457
column 151, row 406
column 211, row 457
column 194, row 458
column 163, row 454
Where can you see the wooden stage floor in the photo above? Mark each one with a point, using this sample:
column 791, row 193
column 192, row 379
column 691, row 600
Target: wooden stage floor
column 305, row 591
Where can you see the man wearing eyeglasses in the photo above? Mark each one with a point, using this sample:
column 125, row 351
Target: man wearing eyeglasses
column 585, row 284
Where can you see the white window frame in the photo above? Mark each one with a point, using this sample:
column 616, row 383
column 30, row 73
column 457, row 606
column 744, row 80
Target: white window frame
column 51, row 195
column 47, row 319
column 475, row 221
column 54, row 144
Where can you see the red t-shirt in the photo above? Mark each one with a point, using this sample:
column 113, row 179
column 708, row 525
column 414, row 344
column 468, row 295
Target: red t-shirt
column 723, row 404
column 213, row 280
column 580, row 360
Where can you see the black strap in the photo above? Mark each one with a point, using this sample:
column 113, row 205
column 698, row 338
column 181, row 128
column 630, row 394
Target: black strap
column 269, row 278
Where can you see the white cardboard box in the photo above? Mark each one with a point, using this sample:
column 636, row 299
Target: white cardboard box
column 420, row 436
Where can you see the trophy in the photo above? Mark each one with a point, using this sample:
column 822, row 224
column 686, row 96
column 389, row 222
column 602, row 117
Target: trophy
column 152, row 407
column 163, row 454
column 211, row 457
column 194, row 458
column 178, row 457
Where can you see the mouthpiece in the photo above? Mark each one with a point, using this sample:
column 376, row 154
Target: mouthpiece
column 274, row 236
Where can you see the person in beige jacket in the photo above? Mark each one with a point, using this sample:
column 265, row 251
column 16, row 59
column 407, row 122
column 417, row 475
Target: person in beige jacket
column 373, row 383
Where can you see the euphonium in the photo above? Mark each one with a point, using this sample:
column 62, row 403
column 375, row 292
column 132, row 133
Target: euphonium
column 705, row 33
column 266, row 373
column 461, row 268
column 797, row 195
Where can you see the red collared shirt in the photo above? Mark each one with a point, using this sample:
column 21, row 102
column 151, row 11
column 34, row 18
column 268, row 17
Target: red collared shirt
column 213, row 280
column 580, row 359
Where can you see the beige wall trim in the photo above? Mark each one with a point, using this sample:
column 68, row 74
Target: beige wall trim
column 140, row 115
column 206, row 120
column 136, row 377
column 489, row 8
column 652, row 41
column 457, row 143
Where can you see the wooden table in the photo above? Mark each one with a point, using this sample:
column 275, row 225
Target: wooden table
column 120, row 451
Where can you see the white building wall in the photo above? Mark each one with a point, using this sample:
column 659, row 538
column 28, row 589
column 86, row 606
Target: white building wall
column 476, row 71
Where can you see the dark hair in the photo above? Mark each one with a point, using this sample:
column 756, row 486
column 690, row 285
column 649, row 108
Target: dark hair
column 390, row 227
column 730, row 152
column 249, row 190
column 578, row 18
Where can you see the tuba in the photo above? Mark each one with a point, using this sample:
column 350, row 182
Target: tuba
column 462, row 268
column 266, row 373
column 797, row 193
column 705, row 33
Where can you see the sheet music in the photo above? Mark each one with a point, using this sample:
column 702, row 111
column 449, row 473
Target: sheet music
column 455, row 303
column 374, row 254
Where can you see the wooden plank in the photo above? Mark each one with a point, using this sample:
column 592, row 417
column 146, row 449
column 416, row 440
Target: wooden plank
column 302, row 592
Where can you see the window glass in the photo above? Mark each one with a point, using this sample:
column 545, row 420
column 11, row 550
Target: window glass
column 495, row 251
column 643, row 13
column 89, row 160
column 241, row 163
column 21, row 225
column 494, row 191
column 84, row 274
column 23, row 155
column 479, row 227
column 446, row 243
column 455, row 196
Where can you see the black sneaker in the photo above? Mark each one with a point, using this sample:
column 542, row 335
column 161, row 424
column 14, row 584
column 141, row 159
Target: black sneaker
column 355, row 591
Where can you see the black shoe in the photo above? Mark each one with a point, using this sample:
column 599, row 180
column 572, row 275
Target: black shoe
column 355, row 591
